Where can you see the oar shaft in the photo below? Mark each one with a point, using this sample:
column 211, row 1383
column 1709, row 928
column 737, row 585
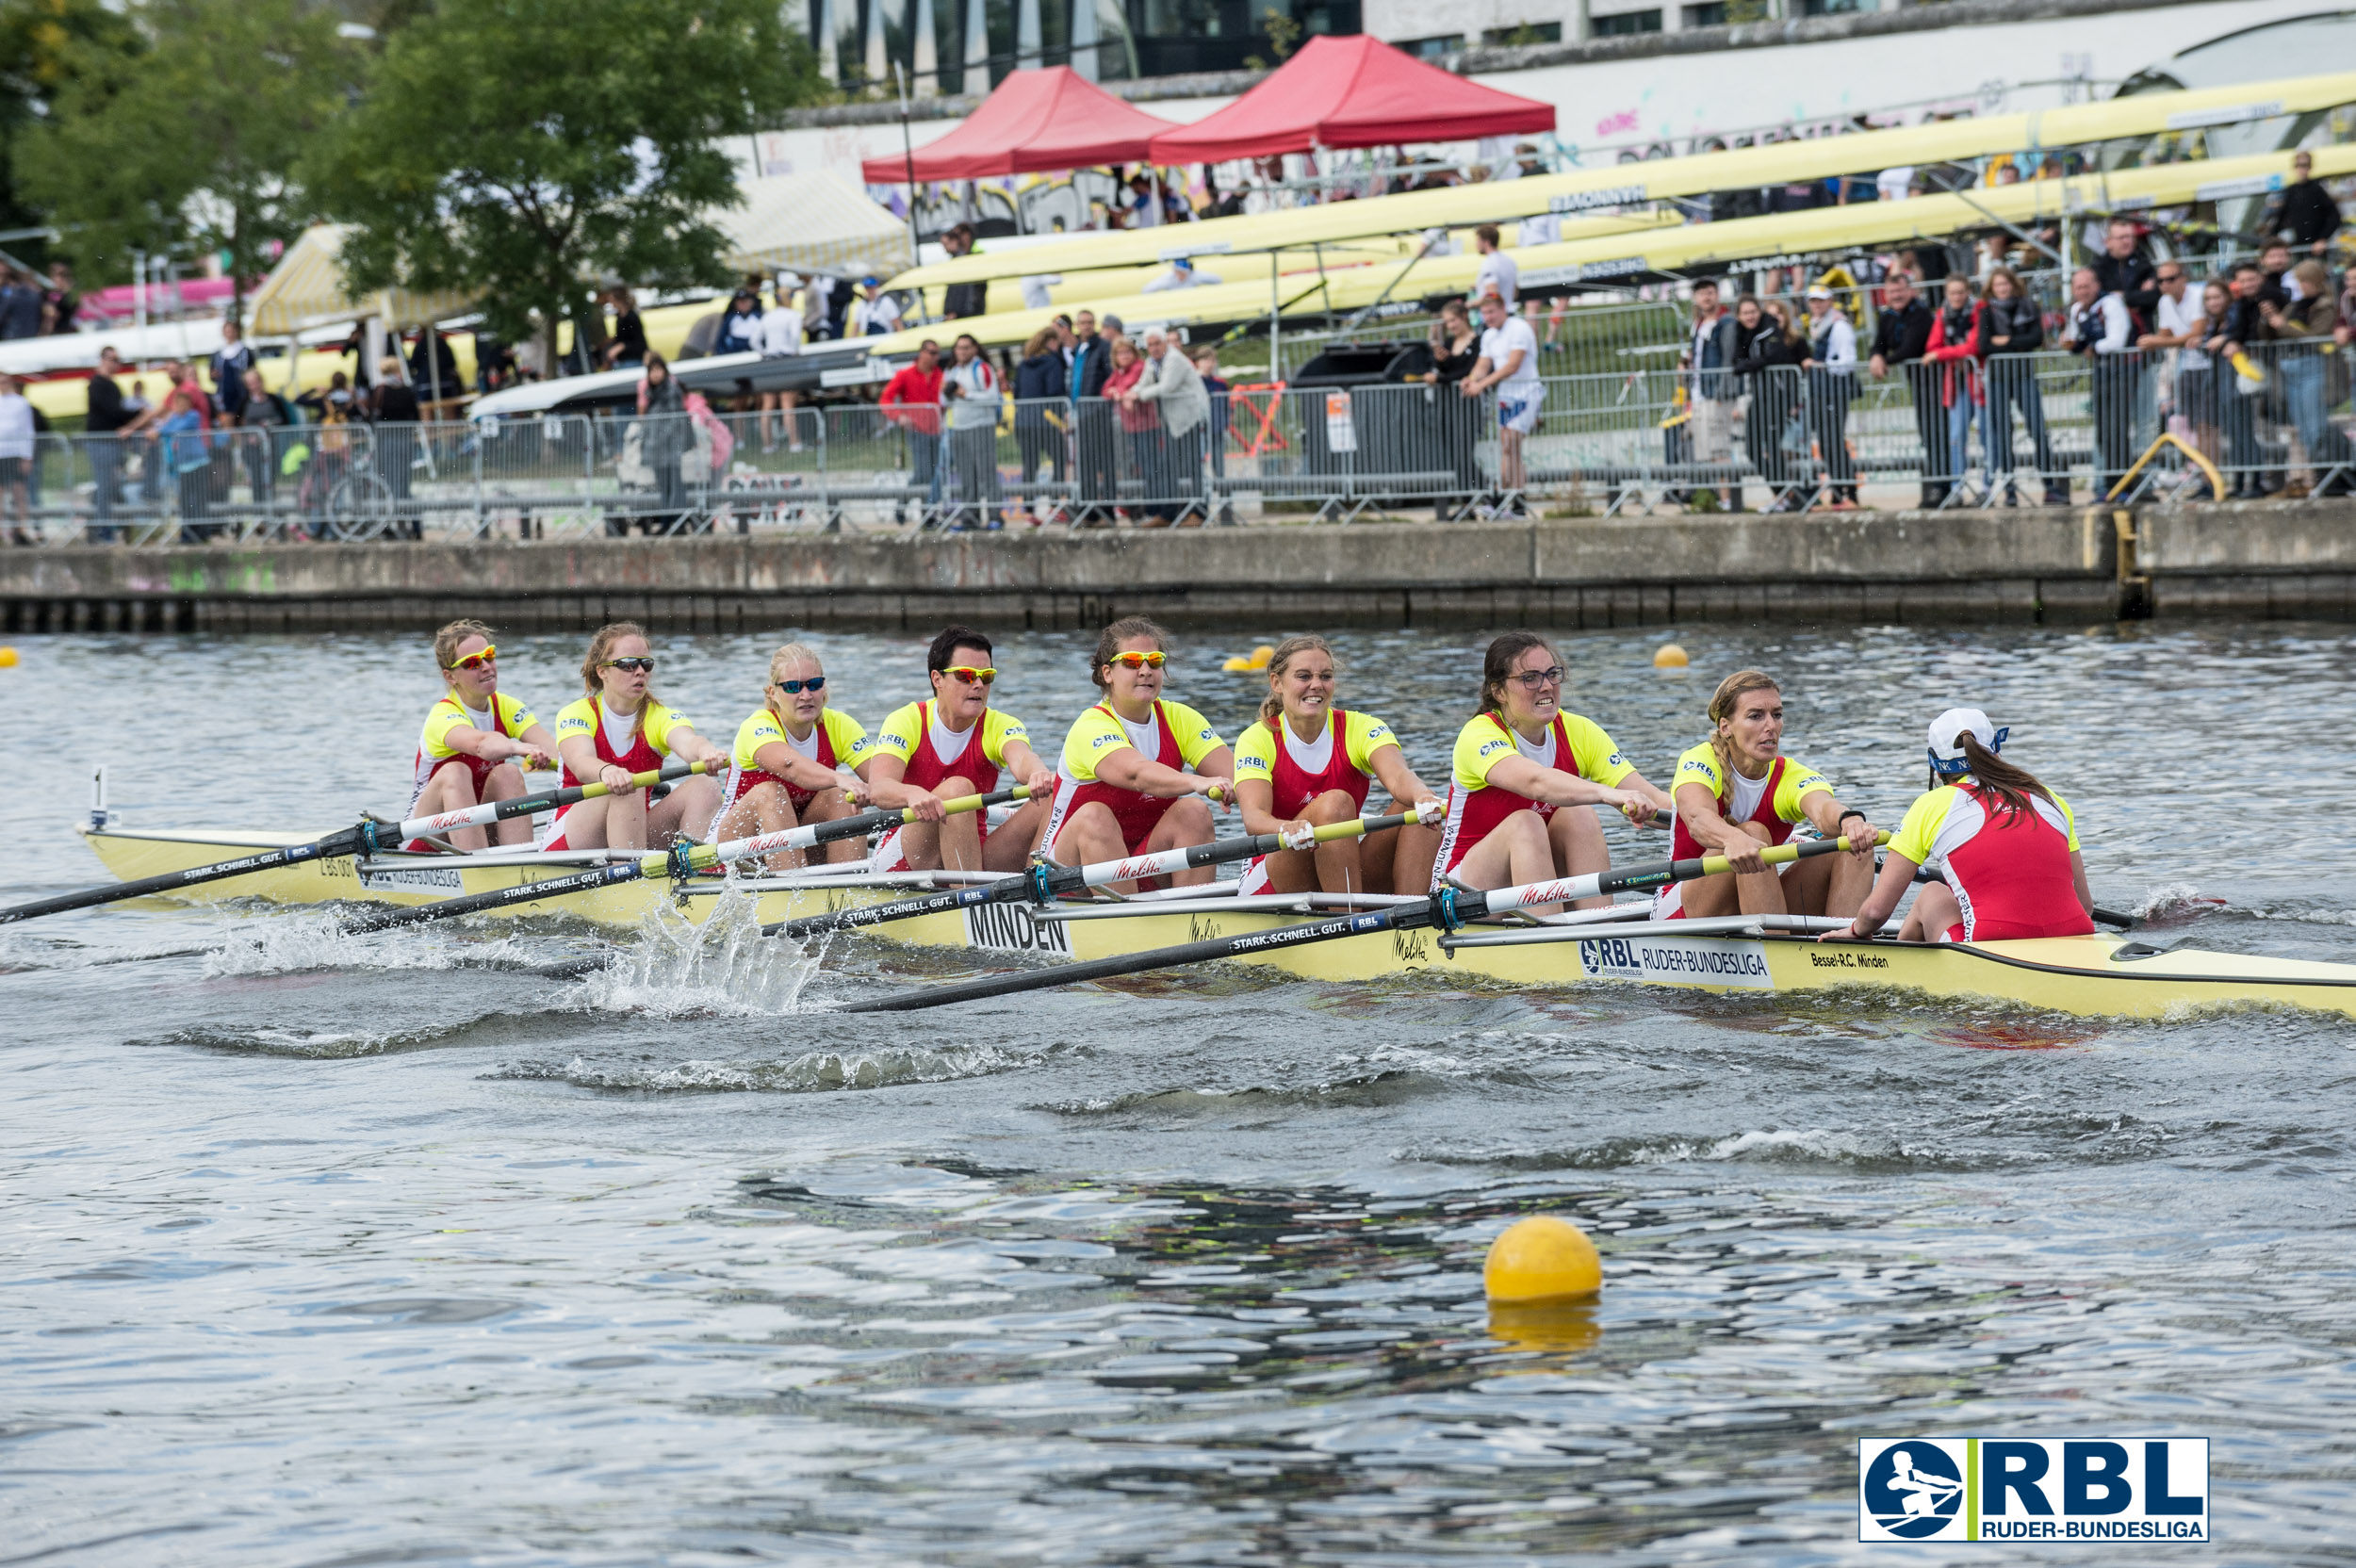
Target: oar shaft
column 1658, row 874
column 527, row 806
column 333, row 845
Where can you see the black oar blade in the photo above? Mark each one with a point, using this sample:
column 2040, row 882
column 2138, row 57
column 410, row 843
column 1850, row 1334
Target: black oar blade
column 335, row 844
column 394, row 917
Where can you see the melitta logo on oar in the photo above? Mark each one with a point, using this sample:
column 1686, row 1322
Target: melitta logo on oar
column 2135, row 1490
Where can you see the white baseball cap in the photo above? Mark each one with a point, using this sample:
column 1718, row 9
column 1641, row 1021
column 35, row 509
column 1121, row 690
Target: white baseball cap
column 1947, row 733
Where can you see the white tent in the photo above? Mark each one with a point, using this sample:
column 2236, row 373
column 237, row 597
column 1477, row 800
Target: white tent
column 817, row 222
column 306, row 289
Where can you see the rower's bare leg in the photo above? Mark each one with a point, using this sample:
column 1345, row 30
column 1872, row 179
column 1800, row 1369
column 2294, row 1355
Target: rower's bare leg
column 1577, row 839
column 1009, row 846
column 1186, row 822
column 1333, row 868
column 762, row 809
column 831, row 806
column 451, row 789
column 954, row 842
column 1725, row 893
column 505, row 783
column 625, row 821
column 1516, row 851
column 1415, row 851
column 686, row 812
column 1935, row 911
column 1091, row 833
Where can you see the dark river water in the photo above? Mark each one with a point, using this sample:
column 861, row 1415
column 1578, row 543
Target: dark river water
column 338, row 1252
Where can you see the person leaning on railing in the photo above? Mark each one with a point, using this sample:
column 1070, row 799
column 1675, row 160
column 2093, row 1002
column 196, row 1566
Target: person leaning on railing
column 2012, row 327
column 107, row 415
column 1767, row 355
column 1171, row 383
column 2238, row 327
column 2181, row 319
column 1455, row 350
column 2101, row 328
column 2313, row 381
column 1831, row 367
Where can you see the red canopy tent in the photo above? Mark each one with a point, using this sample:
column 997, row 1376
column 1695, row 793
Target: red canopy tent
column 1037, row 121
column 1355, row 91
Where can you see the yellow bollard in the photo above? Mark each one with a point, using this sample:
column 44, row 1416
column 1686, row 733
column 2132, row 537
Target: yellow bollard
column 1542, row 1258
column 8, row 658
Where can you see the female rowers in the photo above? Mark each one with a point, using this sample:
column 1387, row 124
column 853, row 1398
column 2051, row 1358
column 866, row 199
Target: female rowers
column 953, row 745
column 1134, row 763
column 619, row 729
column 1306, row 763
column 1738, row 792
column 796, row 761
column 477, row 740
column 2007, row 844
column 1517, row 763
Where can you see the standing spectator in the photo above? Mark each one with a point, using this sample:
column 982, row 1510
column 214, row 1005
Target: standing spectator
column 16, row 460
column 1902, row 337
column 20, row 305
column 181, row 448
column 1831, row 367
column 395, row 411
column 1509, row 362
column 739, row 329
column 1709, row 355
column 268, row 416
column 2124, row 270
column 874, row 312
column 627, row 348
column 2180, row 326
column 1140, row 423
column 666, row 436
column 1767, row 355
column 2101, row 328
column 1096, row 474
column 911, row 400
column 106, row 418
column 1039, row 414
column 228, row 366
column 820, row 295
column 58, row 302
column 961, row 300
column 1216, row 387
column 1172, row 380
column 780, row 336
column 2303, row 328
column 2012, row 327
column 1455, row 350
column 1497, row 273
column 2305, row 215
column 434, row 368
column 970, row 397
column 1955, row 349
column 2200, row 377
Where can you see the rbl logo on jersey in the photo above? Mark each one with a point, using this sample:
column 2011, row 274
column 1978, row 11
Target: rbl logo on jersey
column 2081, row 1489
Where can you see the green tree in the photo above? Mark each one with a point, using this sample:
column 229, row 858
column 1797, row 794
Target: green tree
column 192, row 143
column 45, row 45
column 520, row 150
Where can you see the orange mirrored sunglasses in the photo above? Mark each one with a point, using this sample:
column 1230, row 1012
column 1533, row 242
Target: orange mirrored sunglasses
column 971, row 675
column 1152, row 661
column 476, row 661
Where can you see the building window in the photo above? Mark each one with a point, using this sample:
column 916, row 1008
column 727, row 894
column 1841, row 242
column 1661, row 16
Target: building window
column 1837, row 7
column 1624, row 23
column 1431, row 48
column 1522, row 34
column 1712, row 15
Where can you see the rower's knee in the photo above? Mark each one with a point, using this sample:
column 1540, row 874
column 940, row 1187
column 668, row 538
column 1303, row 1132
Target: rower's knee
column 1192, row 818
column 1333, row 806
column 1757, row 830
column 957, row 789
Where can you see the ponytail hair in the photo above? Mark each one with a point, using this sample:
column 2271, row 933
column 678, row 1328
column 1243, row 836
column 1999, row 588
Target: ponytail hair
column 1272, row 706
column 1496, row 666
column 2011, row 786
column 1722, row 705
column 601, row 644
column 1109, row 642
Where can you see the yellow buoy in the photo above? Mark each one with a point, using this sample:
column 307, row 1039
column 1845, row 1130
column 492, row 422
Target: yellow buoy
column 1542, row 1258
column 8, row 658
column 1259, row 660
column 1669, row 657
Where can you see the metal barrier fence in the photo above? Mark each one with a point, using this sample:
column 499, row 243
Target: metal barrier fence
column 2276, row 419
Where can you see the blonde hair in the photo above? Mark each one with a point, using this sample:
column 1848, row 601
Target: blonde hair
column 453, row 637
column 1272, row 707
column 1730, row 691
column 600, row 644
column 792, row 654
column 1109, row 642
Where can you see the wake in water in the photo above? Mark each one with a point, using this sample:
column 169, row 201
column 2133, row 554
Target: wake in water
column 678, row 969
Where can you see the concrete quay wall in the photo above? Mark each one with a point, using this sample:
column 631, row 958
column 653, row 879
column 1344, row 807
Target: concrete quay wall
column 2291, row 558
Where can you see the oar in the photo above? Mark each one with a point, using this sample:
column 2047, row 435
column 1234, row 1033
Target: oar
column 1449, row 909
column 680, row 860
column 367, row 837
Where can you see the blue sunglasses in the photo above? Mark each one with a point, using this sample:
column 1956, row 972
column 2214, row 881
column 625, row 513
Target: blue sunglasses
column 815, row 683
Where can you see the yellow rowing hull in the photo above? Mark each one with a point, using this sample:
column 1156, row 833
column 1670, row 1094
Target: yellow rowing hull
column 2095, row 976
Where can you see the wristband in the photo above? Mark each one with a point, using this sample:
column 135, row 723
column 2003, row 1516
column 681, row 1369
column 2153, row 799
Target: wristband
column 1851, row 811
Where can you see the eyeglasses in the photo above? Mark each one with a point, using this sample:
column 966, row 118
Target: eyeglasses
column 476, row 661
column 1532, row 679
column 971, row 675
column 1153, row 660
column 2171, row 277
column 636, row 666
column 791, row 688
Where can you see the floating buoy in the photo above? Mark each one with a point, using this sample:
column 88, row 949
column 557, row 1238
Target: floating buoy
column 1668, row 656
column 8, row 658
column 1542, row 1258
column 1258, row 661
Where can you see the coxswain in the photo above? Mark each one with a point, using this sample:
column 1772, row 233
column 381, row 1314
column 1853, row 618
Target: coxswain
column 477, row 742
column 957, row 744
column 1306, row 763
column 1737, row 793
column 619, row 729
column 2006, row 845
column 1140, row 772
column 796, row 761
column 1517, row 763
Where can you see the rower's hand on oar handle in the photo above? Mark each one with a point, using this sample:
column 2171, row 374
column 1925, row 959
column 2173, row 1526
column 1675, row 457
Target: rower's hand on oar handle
column 1637, row 808
column 1218, row 791
column 855, row 790
column 1299, row 834
column 1428, row 812
column 618, row 780
column 1041, row 783
column 924, row 805
column 1862, row 836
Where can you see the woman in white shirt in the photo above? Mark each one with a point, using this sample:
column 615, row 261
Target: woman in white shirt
column 1831, row 367
column 2182, row 319
column 780, row 336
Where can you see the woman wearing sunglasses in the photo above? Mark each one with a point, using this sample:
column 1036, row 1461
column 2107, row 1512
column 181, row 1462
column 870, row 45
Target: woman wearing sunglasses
column 1138, row 771
column 957, row 744
column 796, row 761
column 476, row 742
column 1306, row 763
column 1521, row 760
column 1736, row 794
column 619, row 729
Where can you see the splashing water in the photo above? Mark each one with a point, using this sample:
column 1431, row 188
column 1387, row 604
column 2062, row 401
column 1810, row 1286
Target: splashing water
column 2176, row 902
column 677, row 968
column 310, row 940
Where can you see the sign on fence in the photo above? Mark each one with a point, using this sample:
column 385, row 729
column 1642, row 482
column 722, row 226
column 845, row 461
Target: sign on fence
column 1341, row 429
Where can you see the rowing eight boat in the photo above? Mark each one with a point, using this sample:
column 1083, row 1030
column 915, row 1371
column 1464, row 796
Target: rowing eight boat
column 2091, row 975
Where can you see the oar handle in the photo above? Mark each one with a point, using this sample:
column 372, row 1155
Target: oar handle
column 704, row 856
column 529, row 806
